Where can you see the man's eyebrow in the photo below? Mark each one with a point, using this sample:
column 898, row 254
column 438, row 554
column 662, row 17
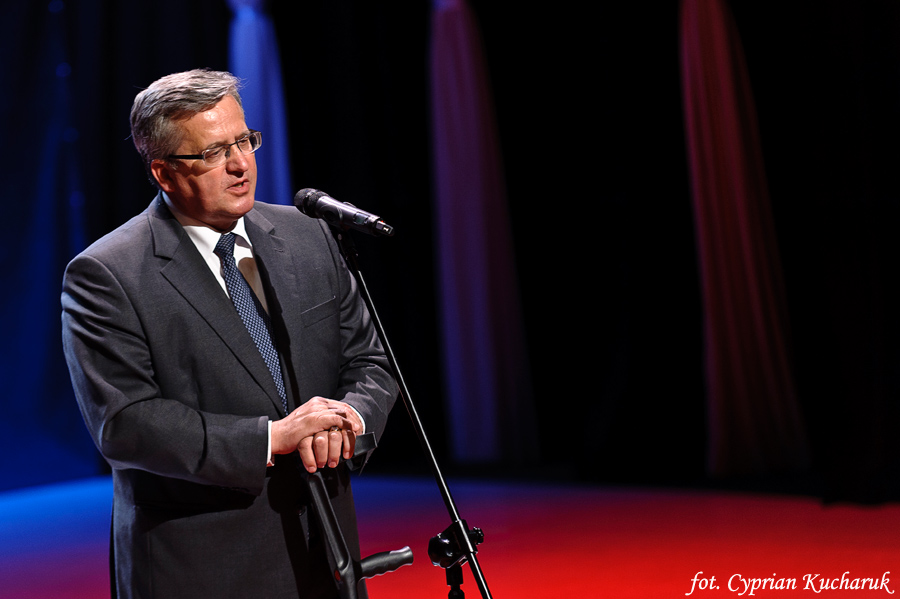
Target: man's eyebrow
column 217, row 144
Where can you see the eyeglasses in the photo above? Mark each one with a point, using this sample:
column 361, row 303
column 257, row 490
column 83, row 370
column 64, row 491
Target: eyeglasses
column 218, row 155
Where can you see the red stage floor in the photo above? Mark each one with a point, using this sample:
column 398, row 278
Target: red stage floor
column 542, row 542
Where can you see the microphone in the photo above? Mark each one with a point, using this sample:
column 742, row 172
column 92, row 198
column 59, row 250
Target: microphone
column 318, row 204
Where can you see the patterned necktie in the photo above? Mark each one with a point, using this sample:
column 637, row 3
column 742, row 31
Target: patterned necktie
column 255, row 317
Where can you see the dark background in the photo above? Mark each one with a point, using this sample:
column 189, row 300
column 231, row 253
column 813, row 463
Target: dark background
column 588, row 105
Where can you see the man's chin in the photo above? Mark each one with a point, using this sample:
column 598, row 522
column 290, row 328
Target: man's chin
column 243, row 204
column 224, row 221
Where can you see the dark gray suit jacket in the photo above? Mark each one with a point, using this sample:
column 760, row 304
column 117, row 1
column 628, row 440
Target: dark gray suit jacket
column 178, row 399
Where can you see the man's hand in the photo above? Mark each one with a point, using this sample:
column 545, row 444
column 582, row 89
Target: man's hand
column 326, row 446
column 296, row 430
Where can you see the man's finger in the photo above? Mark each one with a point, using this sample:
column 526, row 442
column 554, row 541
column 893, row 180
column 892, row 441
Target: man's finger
column 320, row 448
column 307, row 456
column 335, row 441
column 349, row 443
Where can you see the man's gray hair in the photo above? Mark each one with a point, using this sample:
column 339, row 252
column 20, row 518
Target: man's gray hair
column 177, row 97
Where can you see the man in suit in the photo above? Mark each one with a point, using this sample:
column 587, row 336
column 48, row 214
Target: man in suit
column 208, row 442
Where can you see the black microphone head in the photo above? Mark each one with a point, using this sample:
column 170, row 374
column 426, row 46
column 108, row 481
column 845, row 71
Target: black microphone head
column 318, row 204
column 303, row 198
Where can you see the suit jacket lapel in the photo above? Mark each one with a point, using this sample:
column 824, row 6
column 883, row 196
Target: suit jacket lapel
column 278, row 269
column 190, row 276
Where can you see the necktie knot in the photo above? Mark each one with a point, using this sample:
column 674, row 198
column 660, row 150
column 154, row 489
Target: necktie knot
column 225, row 245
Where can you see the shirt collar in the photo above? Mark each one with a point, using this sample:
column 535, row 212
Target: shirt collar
column 204, row 236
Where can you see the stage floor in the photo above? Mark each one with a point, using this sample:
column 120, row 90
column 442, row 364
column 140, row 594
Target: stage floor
column 541, row 541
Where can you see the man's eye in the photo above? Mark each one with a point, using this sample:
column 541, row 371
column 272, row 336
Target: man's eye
column 214, row 153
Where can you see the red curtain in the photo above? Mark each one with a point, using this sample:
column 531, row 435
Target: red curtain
column 754, row 420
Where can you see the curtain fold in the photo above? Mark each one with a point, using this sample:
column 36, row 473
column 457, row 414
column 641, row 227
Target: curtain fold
column 754, row 422
column 488, row 390
column 253, row 57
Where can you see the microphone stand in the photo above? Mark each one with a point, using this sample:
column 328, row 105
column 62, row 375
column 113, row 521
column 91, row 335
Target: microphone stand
column 457, row 544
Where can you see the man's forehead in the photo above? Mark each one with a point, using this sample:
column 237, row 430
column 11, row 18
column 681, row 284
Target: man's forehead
column 221, row 124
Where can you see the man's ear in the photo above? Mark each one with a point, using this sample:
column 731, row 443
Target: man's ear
column 162, row 172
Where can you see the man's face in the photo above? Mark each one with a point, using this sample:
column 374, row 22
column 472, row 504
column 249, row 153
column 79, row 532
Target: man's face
column 217, row 196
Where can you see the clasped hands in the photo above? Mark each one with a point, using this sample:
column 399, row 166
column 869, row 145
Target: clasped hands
column 321, row 430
